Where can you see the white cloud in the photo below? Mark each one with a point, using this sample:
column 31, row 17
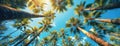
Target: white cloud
column 53, row 24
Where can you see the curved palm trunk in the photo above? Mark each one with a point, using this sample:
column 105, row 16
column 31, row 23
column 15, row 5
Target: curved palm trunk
column 114, row 21
column 93, row 37
column 8, row 13
column 40, row 30
column 107, row 7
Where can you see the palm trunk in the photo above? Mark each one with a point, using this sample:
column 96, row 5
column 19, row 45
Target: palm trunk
column 106, row 7
column 22, row 39
column 17, row 38
column 8, row 35
column 93, row 37
column 104, row 20
column 114, row 21
column 8, row 13
column 40, row 30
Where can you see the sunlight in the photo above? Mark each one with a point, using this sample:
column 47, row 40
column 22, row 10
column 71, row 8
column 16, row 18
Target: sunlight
column 47, row 6
column 39, row 5
column 54, row 23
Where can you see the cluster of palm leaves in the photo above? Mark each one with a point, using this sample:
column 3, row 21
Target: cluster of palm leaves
column 36, row 5
column 60, row 5
column 30, row 35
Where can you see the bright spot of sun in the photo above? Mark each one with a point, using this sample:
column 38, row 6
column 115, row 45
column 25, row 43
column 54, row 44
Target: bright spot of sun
column 47, row 6
column 44, row 4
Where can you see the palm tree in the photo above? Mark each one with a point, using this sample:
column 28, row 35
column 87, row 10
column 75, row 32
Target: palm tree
column 115, row 40
column 80, row 8
column 46, row 25
column 87, row 44
column 102, row 5
column 14, row 40
column 63, row 33
column 28, row 33
column 54, row 38
column 14, row 3
column 5, row 37
column 88, row 15
column 8, row 13
column 60, row 5
column 75, row 22
column 98, row 40
column 36, row 5
column 39, row 31
column 22, row 24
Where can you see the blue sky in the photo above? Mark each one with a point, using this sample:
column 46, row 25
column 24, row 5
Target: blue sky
column 61, row 19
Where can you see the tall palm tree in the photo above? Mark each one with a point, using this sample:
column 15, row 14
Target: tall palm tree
column 14, row 3
column 8, row 13
column 98, row 40
column 46, row 22
column 93, row 37
column 104, row 5
column 60, row 5
column 88, row 15
column 51, row 39
column 46, row 25
column 28, row 33
column 39, row 31
column 8, row 35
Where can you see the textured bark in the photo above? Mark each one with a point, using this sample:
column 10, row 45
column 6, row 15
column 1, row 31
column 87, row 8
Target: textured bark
column 8, row 13
column 104, row 20
column 106, row 7
column 39, row 31
column 93, row 37
column 114, row 21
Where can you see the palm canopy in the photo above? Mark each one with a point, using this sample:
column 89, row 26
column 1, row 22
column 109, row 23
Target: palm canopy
column 75, row 22
column 60, row 5
column 104, row 5
column 41, row 31
column 36, row 5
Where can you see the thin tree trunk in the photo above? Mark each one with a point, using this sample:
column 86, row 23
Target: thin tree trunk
column 106, row 7
column 40, row 30
column 114, row 21
column 8, row 13
column 23, row 39
column 17, row 38
column 8, row 35
column 104, row 20
column 93, row 37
